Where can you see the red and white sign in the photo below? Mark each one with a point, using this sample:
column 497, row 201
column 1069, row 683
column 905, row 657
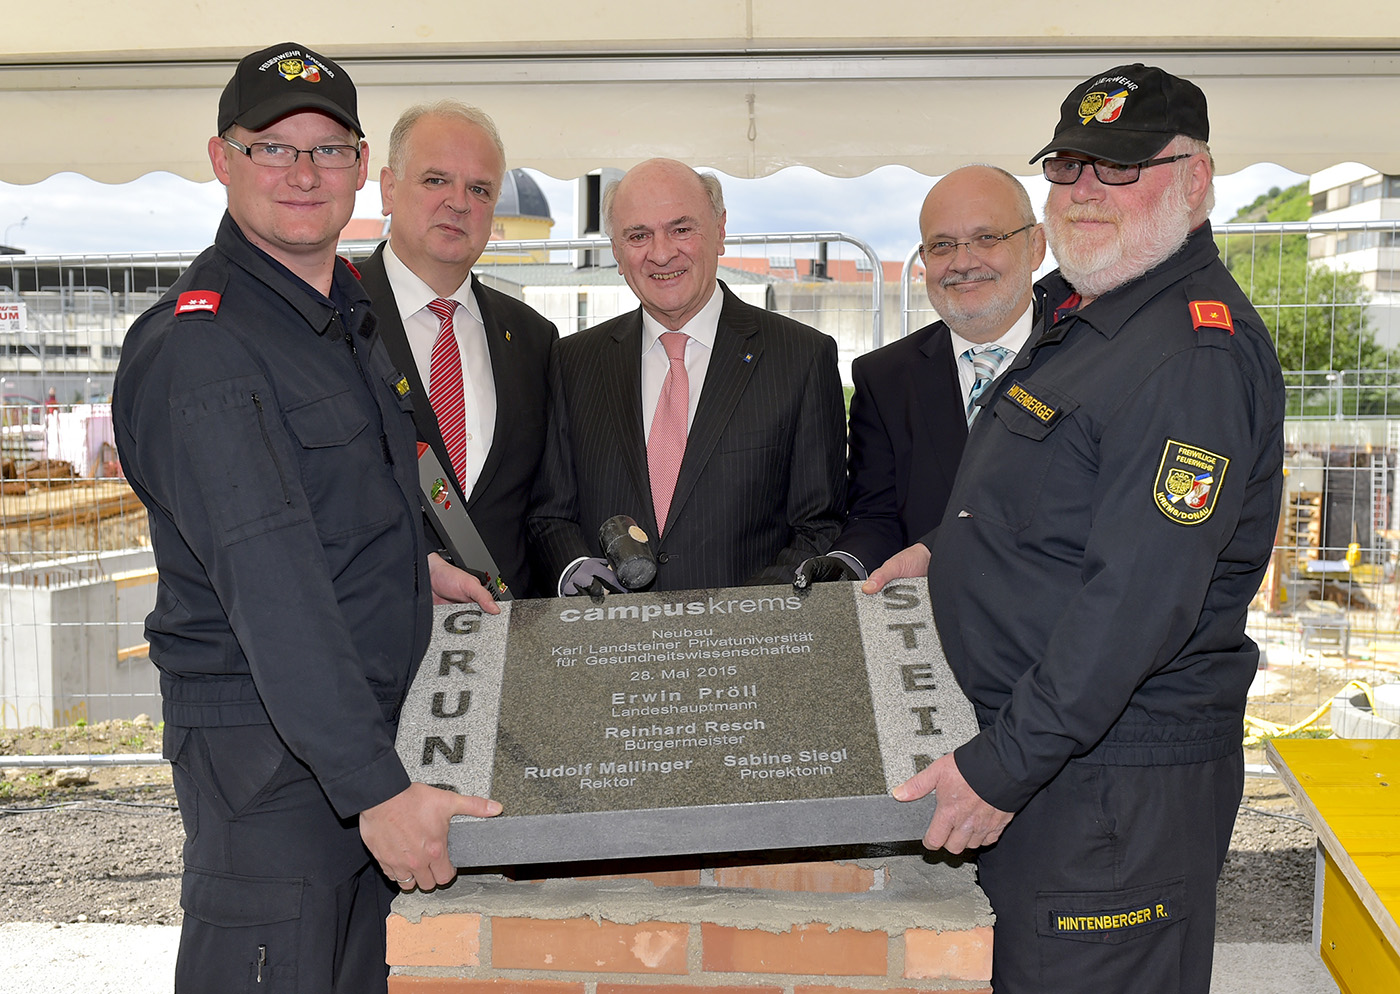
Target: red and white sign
column 12, row 317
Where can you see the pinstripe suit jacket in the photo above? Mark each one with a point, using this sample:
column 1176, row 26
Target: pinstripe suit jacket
column 762, row 483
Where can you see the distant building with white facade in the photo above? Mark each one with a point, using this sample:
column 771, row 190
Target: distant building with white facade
column 1353, row 192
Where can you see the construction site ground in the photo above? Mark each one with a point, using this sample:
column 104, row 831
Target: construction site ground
column 109, row 850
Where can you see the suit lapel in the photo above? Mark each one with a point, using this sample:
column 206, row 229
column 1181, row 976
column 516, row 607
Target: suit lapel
column 944, row 415
column 504, row 373
column 386, row 310
column 737, row 353
column 622, row 390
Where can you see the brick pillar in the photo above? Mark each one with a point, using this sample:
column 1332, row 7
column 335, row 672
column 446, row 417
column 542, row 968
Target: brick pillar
column 894, row 924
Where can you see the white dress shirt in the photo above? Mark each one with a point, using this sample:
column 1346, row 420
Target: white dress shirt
column 702, row 329
column 422, row 326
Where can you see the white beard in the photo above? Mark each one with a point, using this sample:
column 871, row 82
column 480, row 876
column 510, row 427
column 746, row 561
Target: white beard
column 1140, row 241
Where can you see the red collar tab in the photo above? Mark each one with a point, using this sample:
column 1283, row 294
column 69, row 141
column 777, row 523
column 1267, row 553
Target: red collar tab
column 1070, row 304
column 198, row 300
column 350, row 266
column 1211, row 314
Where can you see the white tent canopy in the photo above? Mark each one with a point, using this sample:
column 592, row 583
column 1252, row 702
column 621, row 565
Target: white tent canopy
column 745, row 86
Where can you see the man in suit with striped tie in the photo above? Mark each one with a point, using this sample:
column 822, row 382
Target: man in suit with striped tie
column 478, row 356
column 717, row 425
column 915, row 398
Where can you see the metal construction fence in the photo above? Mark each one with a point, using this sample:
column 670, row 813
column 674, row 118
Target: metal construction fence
column 77, row 576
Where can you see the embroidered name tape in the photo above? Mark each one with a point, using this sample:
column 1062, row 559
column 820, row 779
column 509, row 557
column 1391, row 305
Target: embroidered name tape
column 1028, row 402
column 1110, row 921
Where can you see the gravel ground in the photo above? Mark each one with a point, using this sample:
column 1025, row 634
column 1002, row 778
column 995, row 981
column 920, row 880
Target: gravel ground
column 110, row 852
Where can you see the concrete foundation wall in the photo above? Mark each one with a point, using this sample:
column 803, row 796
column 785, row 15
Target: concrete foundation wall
column 71, row 637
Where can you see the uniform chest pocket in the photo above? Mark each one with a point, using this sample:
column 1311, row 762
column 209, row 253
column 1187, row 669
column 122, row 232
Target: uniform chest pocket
column 1015, row 455
column 327, row 422
column 343, row 469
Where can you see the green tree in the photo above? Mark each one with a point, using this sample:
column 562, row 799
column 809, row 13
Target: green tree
column 1317, row 315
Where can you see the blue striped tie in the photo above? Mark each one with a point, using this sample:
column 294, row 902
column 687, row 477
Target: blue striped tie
column 986, row 360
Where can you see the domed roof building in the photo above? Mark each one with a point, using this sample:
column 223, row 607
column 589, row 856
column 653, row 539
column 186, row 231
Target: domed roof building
column 522, row 213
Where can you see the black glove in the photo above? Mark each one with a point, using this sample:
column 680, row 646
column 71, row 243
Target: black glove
column 592, row 577
column 820, row 569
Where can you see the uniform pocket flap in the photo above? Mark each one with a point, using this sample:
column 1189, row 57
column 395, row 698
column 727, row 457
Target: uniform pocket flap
column 1110, row 916
column 330, row 421
column 1032, row 411
column 230, row 901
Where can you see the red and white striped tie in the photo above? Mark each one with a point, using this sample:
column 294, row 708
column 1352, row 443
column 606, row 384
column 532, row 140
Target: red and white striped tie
column 666, row 444
column 445, row 387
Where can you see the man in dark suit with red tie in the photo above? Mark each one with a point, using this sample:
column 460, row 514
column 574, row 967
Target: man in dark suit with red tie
column 980, row 245
column 478, row 356
column 717, row 425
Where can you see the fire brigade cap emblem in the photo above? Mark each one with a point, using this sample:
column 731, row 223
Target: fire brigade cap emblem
column 300, row 69
column 1102, row 107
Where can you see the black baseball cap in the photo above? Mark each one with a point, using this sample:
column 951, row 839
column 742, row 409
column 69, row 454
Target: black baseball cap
column 1129, row 114
column 277, row 81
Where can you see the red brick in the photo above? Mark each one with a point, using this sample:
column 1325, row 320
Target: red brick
column 821, row 878
column 809, row 949
column 955, row 955
column 454, row 985
column 435, row 940
column 661, row 878
column 583, row 944
column 691, row 989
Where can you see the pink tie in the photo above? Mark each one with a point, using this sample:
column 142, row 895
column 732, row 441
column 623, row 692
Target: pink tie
column 445, row 387
column 666, row 445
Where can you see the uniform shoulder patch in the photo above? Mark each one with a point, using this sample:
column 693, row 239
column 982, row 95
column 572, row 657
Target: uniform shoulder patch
column 198, row 300
column 1188, row 482
column 1211, row 314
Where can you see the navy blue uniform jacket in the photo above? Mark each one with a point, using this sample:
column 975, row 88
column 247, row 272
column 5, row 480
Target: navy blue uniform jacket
column 1112, row 518
column 276, row 459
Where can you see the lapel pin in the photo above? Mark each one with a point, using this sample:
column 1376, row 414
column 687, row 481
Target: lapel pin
column 748, row 357
column 507, row 334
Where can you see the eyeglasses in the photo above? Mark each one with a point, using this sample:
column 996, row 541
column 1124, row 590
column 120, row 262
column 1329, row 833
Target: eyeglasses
column 1065, row 171
column 281, row 156
column 977, row 244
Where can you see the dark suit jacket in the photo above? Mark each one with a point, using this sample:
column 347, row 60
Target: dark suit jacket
column 761, row 485
column 520, row 367
column 908, row 428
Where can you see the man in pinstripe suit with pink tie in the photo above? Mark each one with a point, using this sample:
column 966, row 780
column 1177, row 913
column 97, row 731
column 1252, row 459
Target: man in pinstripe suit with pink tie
column 717, row 425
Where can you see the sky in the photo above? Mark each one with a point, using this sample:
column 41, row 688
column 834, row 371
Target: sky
column 71, row 214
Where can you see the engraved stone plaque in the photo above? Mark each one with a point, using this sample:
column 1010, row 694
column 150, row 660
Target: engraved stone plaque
column 684, row 722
